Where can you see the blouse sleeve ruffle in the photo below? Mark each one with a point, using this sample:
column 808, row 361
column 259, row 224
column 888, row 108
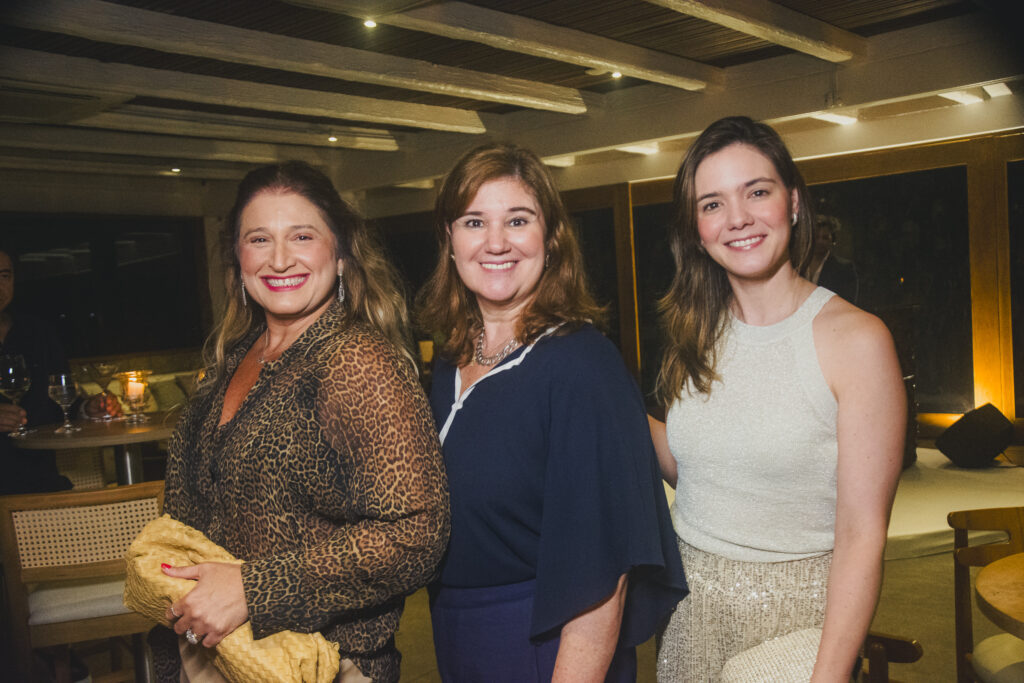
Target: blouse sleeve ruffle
column 605, row 512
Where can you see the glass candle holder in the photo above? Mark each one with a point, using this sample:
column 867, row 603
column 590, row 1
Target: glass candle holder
column 135, row 393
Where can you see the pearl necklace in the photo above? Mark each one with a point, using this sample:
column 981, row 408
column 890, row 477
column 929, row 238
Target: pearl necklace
column 486, row 361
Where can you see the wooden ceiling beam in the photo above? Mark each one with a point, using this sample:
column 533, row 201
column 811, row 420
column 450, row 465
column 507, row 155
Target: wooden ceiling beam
column 33, row 66
column 463, row 21
column 776, row 24
column 120, row 25
column 947, row 55
column 83, row 141
column 136, row 118
column 60, row 164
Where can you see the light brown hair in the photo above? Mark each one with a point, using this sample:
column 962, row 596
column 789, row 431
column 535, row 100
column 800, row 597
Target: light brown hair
column 446, row 306
column 693, row 311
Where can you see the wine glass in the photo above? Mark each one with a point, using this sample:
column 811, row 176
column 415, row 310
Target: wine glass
column 63, row 392
column 15, row 381
column 101, row 373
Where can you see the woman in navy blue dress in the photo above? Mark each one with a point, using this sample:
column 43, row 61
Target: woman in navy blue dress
column 562, row 556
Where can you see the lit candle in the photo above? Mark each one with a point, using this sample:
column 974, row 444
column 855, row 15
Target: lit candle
column 135, row 390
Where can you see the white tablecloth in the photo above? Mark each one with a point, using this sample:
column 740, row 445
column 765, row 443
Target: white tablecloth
column 932, row 488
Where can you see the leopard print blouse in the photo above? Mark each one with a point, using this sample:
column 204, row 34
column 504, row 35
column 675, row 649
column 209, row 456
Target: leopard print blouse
column 328, row 482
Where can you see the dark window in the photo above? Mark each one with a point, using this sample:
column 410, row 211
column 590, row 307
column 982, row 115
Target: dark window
column 110, row 284
column 410, row 244
column 596, row 231
column 653, row 276
column 1015, row 191
column 907, row 238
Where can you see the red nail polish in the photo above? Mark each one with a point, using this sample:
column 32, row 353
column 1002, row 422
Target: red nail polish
column 164, row 565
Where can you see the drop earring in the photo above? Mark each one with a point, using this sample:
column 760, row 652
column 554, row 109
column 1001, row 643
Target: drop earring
column 244, row 302
column 794, row 218
column 341, row 289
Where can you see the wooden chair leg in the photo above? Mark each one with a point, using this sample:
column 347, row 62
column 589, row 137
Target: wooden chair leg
column 116, row 658
column 878, row 663
column 142, row 659
column 61, row 657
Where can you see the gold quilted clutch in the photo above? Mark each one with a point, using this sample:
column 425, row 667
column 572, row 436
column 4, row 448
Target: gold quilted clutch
column 282, row 657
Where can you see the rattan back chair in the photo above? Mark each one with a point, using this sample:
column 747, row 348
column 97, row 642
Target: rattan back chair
column 972, row 660
column 63, row 559
column 83, row 467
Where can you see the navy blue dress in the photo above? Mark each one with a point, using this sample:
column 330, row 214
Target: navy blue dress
column 555, row 493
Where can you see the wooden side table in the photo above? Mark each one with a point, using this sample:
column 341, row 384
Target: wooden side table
column 122, row 435
column 1000, row 590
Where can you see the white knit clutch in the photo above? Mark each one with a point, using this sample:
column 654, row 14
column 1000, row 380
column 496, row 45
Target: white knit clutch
column 786, row 659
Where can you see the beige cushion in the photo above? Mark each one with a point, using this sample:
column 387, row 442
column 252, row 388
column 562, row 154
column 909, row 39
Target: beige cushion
column 1000, row 659
column 68, row 602
column 166, row 391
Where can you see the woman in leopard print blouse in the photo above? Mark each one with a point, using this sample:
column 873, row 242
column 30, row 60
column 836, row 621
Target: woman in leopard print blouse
column 309, row 451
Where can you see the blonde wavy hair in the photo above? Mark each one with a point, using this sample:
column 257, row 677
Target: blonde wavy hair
column 373, row 293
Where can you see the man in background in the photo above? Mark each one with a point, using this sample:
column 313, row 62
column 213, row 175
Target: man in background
column 31, row 471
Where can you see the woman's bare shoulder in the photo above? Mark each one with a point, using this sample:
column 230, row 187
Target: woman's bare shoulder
column 841, row 324
column 852, row 344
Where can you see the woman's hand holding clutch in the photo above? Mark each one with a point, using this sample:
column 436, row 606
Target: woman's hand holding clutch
column 215, row 607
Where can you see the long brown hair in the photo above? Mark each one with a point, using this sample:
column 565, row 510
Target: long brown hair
column 372, row 290
column 446, row 306
column 693, row 311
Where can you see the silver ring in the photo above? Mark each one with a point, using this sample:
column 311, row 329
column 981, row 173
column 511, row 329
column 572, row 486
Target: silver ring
column 176, row 615
column 191, row 637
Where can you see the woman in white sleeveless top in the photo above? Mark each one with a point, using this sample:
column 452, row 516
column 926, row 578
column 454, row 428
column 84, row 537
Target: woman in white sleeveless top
column 784, row 433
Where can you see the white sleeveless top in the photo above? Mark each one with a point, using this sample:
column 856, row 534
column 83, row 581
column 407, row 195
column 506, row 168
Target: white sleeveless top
column 757, row 458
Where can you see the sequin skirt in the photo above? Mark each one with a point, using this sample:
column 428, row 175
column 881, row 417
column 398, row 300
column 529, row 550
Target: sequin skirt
column 734, row 606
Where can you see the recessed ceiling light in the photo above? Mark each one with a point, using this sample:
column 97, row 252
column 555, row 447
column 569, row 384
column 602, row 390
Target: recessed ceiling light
column 370, row 23
column 560, row 162
column 997, row 90
column 175, row 170
column 616, row 74
column 642, row 148
column 831, row 117
column 424, row 184
column 332, row 138
column 960, row 96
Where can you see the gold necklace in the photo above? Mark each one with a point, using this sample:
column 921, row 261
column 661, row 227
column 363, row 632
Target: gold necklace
column 266, row 344
column 487, row 361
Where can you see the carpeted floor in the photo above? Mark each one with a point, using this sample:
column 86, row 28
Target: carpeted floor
column 916, row 602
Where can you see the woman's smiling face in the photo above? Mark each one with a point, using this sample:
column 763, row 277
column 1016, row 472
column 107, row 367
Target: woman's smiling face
column 498, row 245
column 287, row 255
column 744, row 212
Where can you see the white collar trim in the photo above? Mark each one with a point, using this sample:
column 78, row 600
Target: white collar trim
column 459, row 399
